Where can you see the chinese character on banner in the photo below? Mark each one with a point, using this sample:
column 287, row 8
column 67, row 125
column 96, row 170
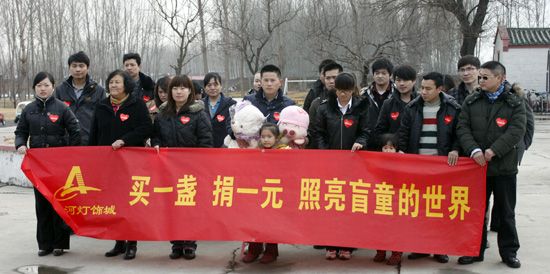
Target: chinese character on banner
column 186, row 191
column 223, row 194
column 272, row 194
column 359, row 198
column 433, row 197
column 459, row 201
column 409, row 198
column 384, row 199
column 97, row 210
column 310, row 194
column 109, row 210
column 139, row 184
column 335, row 195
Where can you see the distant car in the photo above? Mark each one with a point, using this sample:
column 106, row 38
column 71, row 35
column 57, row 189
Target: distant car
column 19, row 109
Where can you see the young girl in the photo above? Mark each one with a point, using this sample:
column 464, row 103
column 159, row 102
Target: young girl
column 269, row 139
column 389, row 144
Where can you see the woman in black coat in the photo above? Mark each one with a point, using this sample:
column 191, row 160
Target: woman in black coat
column 217, row 107
column 121, row 120
column 342, row 124
column 182, row 123
column 46, row 121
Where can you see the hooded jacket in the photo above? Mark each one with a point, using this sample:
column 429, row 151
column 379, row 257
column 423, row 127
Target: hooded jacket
column 47, row 124
column 498, row 126
column 335, row 130
column 190, row 127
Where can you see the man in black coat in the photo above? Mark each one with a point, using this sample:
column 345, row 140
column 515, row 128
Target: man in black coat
column 81, row 93
column 318, row 88
column 270, row 99
column 145, row 86
column 468, row 70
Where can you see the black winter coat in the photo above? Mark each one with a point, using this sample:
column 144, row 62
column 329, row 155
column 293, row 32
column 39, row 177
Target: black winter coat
column 146, row 88
column 459, row 93
column 131, row 123
column 221, row 120
column 337, row 131
column 47, row 124
column 390, row 117
column 189, row 128
column 374, row 109
column 83, row 107
column 447, row 119
column 498, row 126
column 271, row 109
column 317, row 90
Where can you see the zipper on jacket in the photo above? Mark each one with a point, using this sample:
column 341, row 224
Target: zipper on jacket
column 341, row 130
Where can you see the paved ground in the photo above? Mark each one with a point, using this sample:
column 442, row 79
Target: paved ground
column 18, row 248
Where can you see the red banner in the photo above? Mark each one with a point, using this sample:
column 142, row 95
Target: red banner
column 357, row 199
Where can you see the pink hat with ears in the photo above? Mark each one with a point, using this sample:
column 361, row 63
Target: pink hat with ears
column 294, row 115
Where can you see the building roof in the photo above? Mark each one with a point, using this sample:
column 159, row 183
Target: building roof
column 529, row 36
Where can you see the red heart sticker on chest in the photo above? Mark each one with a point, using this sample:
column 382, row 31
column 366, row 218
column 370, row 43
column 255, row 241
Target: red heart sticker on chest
column 146, row 98
column 348, row 123
column 394, row 115
column 448, row 119
column 53, row 117
column 124, row 117
column 220, row 118
column 184, row 119
column 68, row 103
column 276, row 115
column 501, row 122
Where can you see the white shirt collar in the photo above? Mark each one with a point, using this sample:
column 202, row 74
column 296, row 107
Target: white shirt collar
column 345, row 108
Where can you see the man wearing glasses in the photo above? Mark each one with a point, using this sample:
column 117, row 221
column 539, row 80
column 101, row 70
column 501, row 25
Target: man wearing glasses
column 468, row 70
column 490, row 125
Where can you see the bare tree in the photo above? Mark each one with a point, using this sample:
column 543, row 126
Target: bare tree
column 181, row 24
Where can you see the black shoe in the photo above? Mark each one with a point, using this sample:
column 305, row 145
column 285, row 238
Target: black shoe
column 469, row 259
column 58, row 252
column 42, row 253
column 494, row 229
column 189, row 254
column 319, row 247
column 120, row 247
column 440, row 258
column 414, row 256
column 512, row 262
column 176, row 253
column 130, row 253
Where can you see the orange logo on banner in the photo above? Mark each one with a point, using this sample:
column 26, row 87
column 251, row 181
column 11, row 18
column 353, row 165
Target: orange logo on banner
column 67, row 191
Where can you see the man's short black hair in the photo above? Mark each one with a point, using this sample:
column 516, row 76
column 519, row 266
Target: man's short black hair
column 270, row 68
column 436, row 77
column 324, row 63
column 468, row 60
column 79, row 57
column 382, row 63
column 405, row 72
column 495, row 67
column 332, row 66
column 132, row 55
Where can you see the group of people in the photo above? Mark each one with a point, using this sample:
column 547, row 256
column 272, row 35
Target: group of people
column 484, row 118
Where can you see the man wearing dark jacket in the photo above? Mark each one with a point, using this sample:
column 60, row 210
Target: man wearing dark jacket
column 428, row 127
column 81, row 93
column 468, row 70
column 270, row 99
column 491, row 124
column 318, row 88
column 391, row 113
column 145, row 85
column 378, row 92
